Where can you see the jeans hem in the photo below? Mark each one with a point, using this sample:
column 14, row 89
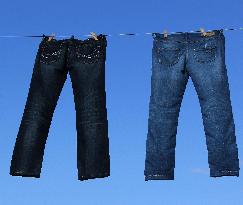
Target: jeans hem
column 169, row 176
column 224, row 173
column 93, row 176
column 24, row 174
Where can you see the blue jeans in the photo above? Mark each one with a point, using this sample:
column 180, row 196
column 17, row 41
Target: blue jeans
column 84, row 61
column 174, row 59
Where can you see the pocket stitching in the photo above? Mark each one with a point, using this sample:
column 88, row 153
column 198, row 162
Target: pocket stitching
column 162, row 60
column 84, row 57
column 208, row 50
column 50, row 53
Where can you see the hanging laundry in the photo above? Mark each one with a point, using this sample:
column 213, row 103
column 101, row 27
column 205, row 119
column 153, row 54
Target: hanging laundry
column 175, row 58
column 84, row 60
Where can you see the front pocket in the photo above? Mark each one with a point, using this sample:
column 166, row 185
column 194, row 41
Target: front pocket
column 168, row 56
column 205, row 53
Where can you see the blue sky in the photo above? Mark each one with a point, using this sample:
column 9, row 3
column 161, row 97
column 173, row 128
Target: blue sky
column 128, row 72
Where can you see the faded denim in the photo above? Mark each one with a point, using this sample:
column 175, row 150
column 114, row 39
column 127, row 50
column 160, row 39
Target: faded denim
column 85, row 62
column 174, row 59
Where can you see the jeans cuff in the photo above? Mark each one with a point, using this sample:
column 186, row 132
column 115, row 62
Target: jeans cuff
column 166, row 176
column 92, row 176
column 221, row 173
column 24, row 174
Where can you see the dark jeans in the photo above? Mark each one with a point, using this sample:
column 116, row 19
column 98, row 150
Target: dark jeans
column 174, row 59
column 85, row 62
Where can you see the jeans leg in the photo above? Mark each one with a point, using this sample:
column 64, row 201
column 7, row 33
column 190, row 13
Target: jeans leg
column 167, row 89
column 211, row 83
column 88, row 81
column 45, row 87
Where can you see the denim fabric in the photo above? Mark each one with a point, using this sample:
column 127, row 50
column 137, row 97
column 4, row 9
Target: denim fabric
column 174, row 59
column 85, row 62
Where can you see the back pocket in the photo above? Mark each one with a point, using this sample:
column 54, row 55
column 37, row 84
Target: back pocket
column 205, row 51
column 50, row 52
column 167, row 55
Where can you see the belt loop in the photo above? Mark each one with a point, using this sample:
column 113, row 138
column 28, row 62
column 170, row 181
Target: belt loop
column 186, row 36
column 102, row 40
column 183, row 71
column 44, row 37
column 71, row 39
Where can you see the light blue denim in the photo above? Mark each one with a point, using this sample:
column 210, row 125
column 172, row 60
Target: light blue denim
column 174, row 59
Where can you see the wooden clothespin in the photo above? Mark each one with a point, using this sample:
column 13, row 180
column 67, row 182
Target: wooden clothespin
column 52, row 36
column 204, row 33
column 165, row 34
column 93, row 34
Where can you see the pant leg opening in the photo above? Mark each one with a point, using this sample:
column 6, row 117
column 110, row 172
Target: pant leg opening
column 222, row 173
column 24, row 174
column 93, row 176
column 167, row 176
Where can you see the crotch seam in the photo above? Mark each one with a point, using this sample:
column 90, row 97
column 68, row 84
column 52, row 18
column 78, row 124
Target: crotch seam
column 184, row 67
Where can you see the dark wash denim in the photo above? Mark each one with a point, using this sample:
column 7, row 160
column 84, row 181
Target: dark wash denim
column 174, row 59
column 85, row 62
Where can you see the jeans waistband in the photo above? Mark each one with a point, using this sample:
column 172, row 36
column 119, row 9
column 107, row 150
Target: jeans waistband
column 89, row 41
column 186, row 36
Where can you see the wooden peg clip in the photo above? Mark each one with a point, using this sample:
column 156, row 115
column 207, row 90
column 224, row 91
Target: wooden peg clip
column 93, row 34
column 204, row 33
column 52, row 36
column 165, row 34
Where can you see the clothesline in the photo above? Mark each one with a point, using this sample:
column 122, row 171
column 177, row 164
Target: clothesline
column 118, row 34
